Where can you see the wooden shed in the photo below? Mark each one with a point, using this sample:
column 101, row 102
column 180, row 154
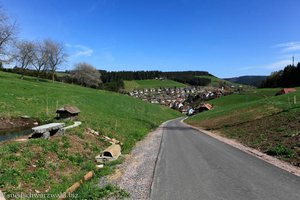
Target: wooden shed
column 204, row 107
column 67, row 112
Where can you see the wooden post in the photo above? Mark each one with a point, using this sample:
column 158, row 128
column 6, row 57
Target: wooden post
column 295, row 100
column 47, row 109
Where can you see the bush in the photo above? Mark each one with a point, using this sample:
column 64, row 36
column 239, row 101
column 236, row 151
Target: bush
column 281, row 150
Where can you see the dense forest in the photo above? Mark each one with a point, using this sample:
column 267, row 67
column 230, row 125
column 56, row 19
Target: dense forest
column 288, row 77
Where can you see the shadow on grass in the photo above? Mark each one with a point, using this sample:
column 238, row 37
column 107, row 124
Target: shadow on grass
column 35, row 80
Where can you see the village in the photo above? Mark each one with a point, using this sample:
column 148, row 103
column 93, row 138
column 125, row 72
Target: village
column 189, row 100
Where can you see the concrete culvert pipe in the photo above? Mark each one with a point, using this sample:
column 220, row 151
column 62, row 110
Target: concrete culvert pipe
column 113, row 151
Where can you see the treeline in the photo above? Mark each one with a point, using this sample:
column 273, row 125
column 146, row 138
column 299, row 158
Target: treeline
column 114, row 80
column 186, row 77
column 142, row 75
column 132, row 75
column 288, row 77
column 30, row 72
column 189, row 77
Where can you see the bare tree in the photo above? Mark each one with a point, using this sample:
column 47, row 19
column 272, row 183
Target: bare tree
column 86, row 75
column 40, row 58
column 24, row 55
column 7, row 32
column 56, row 55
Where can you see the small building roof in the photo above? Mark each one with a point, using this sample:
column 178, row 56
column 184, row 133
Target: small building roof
column 206, row 105
column 286, row 90
column 69, row 109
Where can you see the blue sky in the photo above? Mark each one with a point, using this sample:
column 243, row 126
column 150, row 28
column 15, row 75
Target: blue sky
column 225, row 37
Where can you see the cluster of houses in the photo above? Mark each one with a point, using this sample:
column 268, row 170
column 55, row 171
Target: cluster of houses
column 179, row 98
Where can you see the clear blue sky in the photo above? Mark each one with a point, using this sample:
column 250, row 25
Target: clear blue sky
column 225, row 37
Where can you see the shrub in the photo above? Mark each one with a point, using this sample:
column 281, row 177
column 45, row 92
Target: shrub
column 281, row 150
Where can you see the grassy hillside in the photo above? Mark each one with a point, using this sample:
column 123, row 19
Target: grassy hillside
column 248, row 80
column 140, row 84
column 217, row 82
column 258, row 119
column 53, row 165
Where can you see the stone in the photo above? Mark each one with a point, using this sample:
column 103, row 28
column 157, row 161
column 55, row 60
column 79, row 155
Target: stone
column 2, row 195
column 99, row 166
column 88, row 176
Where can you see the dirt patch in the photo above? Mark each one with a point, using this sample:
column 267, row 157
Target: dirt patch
column 278, row 135
column 15, row 123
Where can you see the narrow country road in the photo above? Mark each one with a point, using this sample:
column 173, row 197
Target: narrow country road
column 192, row 165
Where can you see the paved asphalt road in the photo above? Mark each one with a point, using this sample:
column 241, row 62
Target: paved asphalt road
column 192, row 165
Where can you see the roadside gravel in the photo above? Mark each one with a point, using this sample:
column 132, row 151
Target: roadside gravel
column 136, row 173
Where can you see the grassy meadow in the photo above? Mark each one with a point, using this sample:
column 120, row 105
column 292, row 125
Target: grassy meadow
column 51, row 166
column 140, row 84
column 258, row 119
column 217, row 82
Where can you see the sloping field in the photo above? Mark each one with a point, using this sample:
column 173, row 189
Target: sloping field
column 140, row 84
column 258, row 119
column 218, row 82
column 51, row 166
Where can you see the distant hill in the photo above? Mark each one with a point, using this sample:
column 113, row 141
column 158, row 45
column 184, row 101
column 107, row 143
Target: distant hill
column 218, row 82
column 248, row 80
column 152, row 83
column 156, row 83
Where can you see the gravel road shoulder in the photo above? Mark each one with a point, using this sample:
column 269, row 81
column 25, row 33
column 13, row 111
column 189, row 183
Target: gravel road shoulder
column 135, row 175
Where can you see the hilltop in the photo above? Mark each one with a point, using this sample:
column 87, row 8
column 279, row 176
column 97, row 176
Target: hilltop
column 210, row 81
column 53, row 165
column 218, row 82
column 258, row 119
column 248, row 80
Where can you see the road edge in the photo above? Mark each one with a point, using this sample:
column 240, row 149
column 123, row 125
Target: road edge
column 158, row 157
column 262, row 156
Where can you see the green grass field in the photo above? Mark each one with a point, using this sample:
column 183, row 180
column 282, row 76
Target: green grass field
column 217, row 82
column 140, row 84
column 258, row 119
column 52, row 165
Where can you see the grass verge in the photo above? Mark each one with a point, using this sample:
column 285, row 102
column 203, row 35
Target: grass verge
column 258, row 119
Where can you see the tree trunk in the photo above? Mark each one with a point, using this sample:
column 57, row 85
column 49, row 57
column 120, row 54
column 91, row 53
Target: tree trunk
column 53, row 77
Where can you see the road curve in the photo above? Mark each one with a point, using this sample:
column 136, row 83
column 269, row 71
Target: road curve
column 192, row 165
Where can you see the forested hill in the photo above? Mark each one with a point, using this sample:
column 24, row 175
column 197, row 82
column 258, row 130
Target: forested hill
column 288, row 77
column 185, row 77
column 143, row 75
column 248, row 80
